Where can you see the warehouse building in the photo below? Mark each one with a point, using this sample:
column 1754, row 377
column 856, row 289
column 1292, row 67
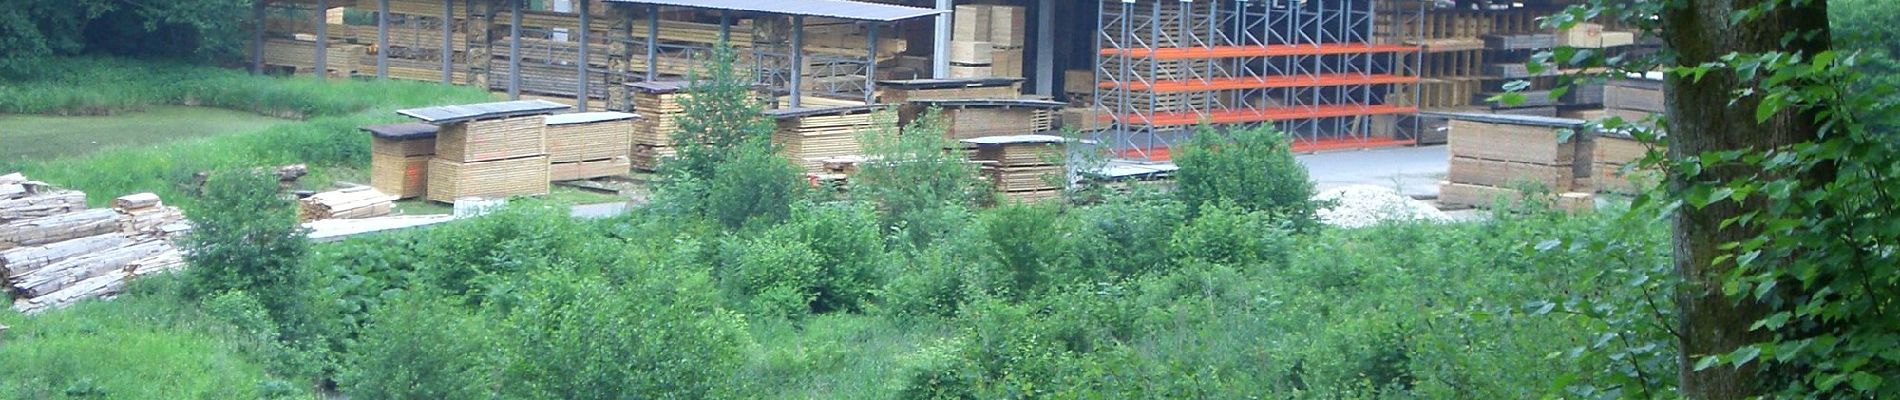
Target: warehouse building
column 1138, row 75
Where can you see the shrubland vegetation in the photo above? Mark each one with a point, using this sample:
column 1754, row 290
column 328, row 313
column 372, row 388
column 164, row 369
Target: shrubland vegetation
column 741, row 283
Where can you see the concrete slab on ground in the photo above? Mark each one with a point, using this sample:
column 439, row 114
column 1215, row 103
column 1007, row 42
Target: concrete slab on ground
column 1413, row 171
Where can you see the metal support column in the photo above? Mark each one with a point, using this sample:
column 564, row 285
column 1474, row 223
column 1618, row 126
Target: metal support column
column 514, row 49
column 448, row 42
column 798, row 59
column 382, row 39
column 323, row 39
column 653, row 42
column 581, row 96
column 257, row 35
column 870, row 66
column 1046, row 48
column 725, row 26
column 940, row 53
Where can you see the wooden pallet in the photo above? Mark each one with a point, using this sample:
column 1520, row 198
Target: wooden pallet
column 589, row 169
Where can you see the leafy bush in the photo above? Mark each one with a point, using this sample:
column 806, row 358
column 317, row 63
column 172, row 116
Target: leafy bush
column 755, row 186
column 1224, row 234
column 1122, row 236
column 422, row 348
column 575, row 337
column 245, row 237
column 1253, row 169
column 1025, row 242
column 719, row 118
column 911, row 178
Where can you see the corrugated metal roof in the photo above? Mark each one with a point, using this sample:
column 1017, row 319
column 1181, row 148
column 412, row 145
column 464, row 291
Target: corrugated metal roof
column 467, row 112
column 589, row 117
column 785, row 113
column 402, row 131
column 811, row 8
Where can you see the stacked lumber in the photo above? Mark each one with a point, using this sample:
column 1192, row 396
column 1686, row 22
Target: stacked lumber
column 1024, row 168
column 810, row 137
column 526, row 176
column 341, row 58
column 590, row 145
column 1635, row 99
column 492, row 139
column 1516, row 158
column 659, row 106
column 399, row 158
column 1610, row 165
column 22, row 199
column 84, row 254
column 589, row 169
column 975, row 121
column 352, row 203
column 987, row 41
column 896, row 95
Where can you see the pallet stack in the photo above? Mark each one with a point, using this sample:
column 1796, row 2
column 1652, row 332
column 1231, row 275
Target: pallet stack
column 1516, row 158
column 987, row 41
column 1635, row 99
column 488, row 150
column 589, row 145
column 54, row 252
column 1023, row 168
column 659, row 106
column 1610, row 160
column 341, row 58
column 976, row 118
column 399, row 158
column 810, row 136
column 352, row 203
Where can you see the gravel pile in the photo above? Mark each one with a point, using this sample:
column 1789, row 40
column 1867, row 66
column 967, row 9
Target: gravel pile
column 1366, row 205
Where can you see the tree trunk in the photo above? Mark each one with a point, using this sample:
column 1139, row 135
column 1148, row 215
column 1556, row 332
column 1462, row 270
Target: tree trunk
column 1701, row 118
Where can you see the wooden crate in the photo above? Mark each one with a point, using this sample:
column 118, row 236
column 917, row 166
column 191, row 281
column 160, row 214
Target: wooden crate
column 401, row 176
column 1510, row 174
column 971, row 53
column 1632, row 97
column 1617, row 150
column 590, row 169
column 1516, row 143
column 1015, row 179
column 525, row 176
column 1022, row 154
column 494, row 139
column 972, row 23
column 590, row 141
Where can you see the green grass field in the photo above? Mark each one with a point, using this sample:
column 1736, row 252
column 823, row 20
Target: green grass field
column 43, row 137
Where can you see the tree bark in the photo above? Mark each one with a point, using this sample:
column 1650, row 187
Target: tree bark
column 1702, row 118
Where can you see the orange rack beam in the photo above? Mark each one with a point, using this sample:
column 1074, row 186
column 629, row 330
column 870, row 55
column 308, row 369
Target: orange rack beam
column 1190, row 53
column 1202, row 85
column 1245, row 115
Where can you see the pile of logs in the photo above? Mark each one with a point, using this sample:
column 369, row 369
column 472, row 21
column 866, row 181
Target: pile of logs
column 54, row 252
column 352, row 203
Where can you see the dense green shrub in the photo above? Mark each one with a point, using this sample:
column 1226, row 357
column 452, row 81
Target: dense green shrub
column 719, row 118
column 1126, row 235
column 575, row 337
column 423, row 348
column 755, row 186
column 1253, row 169
column 913, row 179
column 1025, row 243
column 825, row 258
column 245, row 237
column 1225, row 234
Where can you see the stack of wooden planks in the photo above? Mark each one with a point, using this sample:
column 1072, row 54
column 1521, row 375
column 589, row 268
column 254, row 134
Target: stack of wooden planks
column 659, row 106
column 1516, row 158
column 21, row 199
column 809, row 136
column 969, row 119
column 52, row 259
column 1024, row 168
column 1635, row 99
column 352, row 203
column 341, row 59
column 490, row 158
column 590, row 145
column 987, row 41
column 1610, row 165
column 399, row 158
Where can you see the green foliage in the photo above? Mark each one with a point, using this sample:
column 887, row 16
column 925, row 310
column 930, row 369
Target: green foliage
column 245, row 237
column 1223, row 234
column 720, row 117
column 825, row 258
column 1867, row 26
column 754, row 186
column 1123, row 236
column 1253, row 169
column 1025, row 243
column 421, row 348
column 912, row 179
column 575, row 337
column 200, row 30
column 137, row 346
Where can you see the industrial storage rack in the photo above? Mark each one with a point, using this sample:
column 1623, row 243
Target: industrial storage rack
column 1316, row 69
